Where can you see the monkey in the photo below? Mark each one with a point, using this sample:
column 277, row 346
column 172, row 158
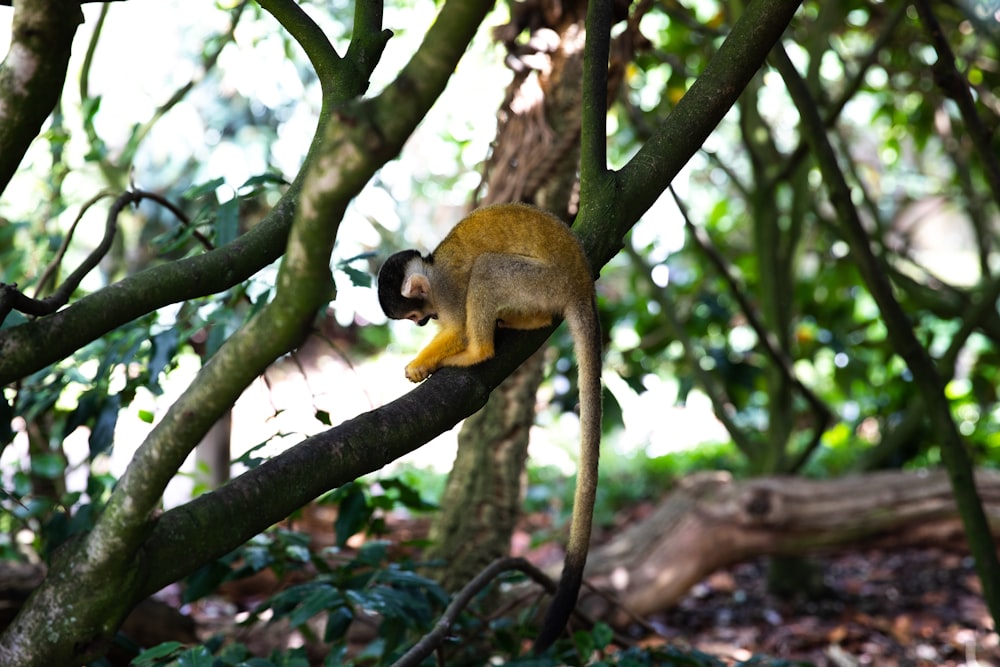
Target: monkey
column 512, row 266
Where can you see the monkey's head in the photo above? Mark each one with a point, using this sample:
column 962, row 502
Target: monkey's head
column 404, row 289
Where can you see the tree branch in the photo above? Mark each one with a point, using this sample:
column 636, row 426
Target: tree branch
column 34, row 345
column 32, row 75
column 955, row 86
column 925, row 374
column 770, row 343
column 108, row 559
column 322, row 56
column 713, row 93
column 12, row 299
column 322, row 462
column 593, row 129
column 59, row 298
column 461, row 600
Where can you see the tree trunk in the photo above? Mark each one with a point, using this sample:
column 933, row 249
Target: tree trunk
column 482, row 499
column 710, row 521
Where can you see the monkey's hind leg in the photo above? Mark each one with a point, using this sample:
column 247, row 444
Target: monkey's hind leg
column 503, row 290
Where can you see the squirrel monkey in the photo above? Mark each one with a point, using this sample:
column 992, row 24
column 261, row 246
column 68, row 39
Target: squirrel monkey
column 513, row 266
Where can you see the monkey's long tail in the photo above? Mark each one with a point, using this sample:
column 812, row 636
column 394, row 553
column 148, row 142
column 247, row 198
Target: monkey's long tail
column 586, row 331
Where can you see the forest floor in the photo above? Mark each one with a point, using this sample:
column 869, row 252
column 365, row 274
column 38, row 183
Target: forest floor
column 913, row 607
column 910, row 608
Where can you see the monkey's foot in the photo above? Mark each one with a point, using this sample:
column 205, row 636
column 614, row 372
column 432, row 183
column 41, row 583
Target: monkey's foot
column 417, row 372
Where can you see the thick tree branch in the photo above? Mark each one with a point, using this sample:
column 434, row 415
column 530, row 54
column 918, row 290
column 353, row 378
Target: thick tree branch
column 11, row 298
column 325, row 461
column 32, row 75
column 304, row 286
column 593, row 130
column 710, row 521
column 638, row 184
column 51, row 303
column 30, row 347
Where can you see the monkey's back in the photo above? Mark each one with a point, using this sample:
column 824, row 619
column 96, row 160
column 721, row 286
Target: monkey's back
column 517, row 229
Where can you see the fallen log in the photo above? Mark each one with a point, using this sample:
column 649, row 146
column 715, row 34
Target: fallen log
column 710, row 521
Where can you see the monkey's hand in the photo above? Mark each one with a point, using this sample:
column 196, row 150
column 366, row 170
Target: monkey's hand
column 417, row 371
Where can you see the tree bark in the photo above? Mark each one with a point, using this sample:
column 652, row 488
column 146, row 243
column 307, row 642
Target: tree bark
column 482, row 500
column 710, row 521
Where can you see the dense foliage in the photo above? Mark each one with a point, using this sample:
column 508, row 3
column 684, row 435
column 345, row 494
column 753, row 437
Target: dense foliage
column 178, row 182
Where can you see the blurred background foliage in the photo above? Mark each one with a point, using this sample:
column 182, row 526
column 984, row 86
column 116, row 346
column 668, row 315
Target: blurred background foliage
column 734, row 298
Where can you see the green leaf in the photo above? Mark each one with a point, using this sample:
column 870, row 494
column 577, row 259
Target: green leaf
column 406, row 494
column 233, row 654
column 152, row 656
column 161, row 355
column 205, row 580
column 13, row 319
column 209, row 187
column 318, row 600
column 337, row 623
column 87, row 406
column 257, row 662
column 249, row 460
column 47, row 466
column 227, row 222
column 264, row 179
column 103, row 433
column 353, row 513
column 357, row 277
column 199, row 656
column 257, row 557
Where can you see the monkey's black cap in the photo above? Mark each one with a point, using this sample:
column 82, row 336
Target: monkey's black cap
column 390, row 286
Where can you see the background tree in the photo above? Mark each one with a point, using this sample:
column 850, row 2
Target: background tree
column 780, row 331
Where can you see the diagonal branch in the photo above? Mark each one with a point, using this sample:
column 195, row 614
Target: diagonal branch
column 638, row 184
column 925, row 374
column 770, row 343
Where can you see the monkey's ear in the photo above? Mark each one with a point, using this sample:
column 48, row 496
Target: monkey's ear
column 416, row 286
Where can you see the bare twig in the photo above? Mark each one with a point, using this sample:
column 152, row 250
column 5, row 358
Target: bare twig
column 772, row 347
column 53, row 266
column 956, row 86
column 433, row 639
column 11, row 298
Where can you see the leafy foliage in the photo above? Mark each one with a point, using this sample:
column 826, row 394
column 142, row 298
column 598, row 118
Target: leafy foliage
column 696, row 311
